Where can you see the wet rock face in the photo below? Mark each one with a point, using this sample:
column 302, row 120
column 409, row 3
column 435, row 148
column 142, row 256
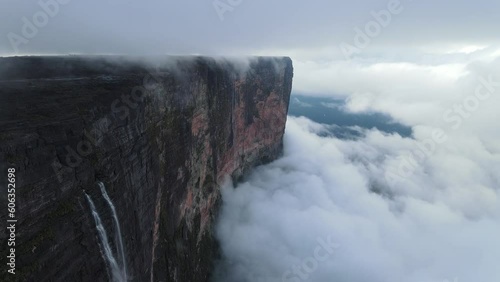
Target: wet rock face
column 162, row 135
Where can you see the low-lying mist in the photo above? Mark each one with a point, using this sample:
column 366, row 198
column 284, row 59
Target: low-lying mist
column 325, row 212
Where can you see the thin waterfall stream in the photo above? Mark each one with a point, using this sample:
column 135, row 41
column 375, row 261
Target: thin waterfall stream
column 118, row 270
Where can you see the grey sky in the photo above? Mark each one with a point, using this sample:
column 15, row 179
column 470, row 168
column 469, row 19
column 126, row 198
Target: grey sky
column 252, row 27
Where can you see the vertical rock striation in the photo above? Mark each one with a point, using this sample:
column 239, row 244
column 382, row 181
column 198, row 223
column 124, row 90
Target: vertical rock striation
column 162, row 134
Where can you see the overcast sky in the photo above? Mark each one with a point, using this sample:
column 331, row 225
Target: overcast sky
column 299, row 28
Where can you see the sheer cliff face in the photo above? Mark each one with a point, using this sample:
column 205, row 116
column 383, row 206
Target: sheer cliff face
column 162, row 136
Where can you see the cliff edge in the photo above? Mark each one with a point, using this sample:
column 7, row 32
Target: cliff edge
column 148, row 141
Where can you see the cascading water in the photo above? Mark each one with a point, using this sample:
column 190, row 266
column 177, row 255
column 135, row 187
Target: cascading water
column 118, row 235
column 118, row 271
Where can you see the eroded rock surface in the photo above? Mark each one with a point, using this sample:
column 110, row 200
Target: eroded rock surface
column 162, row 134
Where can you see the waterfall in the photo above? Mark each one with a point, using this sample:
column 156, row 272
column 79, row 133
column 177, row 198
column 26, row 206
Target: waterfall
column 118, row 271
column 118, row 235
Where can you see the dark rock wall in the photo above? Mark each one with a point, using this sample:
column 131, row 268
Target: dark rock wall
column 162, row 134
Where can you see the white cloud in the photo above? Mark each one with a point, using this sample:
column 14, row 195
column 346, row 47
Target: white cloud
column 412, row 92
column 441, row 222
